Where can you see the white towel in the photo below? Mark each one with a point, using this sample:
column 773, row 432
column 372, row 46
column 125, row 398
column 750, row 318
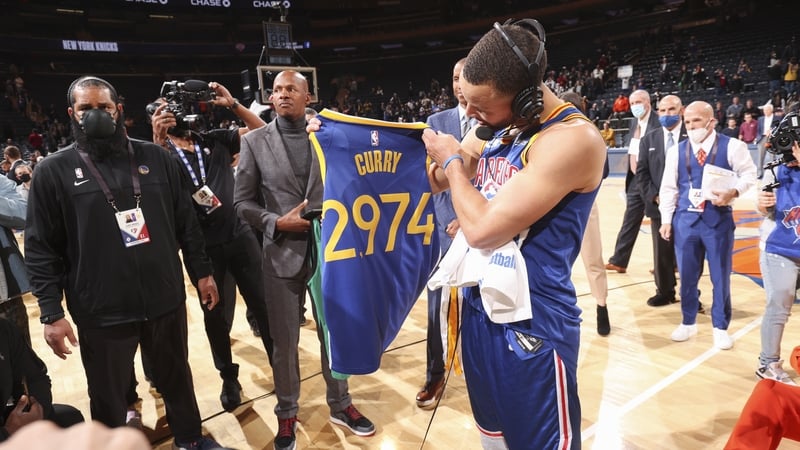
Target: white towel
column 501, row 274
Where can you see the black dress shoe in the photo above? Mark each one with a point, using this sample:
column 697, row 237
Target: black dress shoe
column 231, row 395
column 660, row 300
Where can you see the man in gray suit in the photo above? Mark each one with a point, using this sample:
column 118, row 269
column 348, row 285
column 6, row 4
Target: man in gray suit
column 453, row 121
column 650, row 169
column 277, row 180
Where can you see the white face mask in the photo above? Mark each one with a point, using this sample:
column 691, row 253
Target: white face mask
column 698, row 135
column 637, row 110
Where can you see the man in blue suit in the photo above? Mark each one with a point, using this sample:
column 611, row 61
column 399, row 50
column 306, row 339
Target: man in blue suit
column 765, row 124
column 652, row 153
column 453, row 121
column 702, row 222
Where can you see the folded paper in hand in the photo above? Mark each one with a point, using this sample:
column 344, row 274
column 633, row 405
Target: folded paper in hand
column 717, row 178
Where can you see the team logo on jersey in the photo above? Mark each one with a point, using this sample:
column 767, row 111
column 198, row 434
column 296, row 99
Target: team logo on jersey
column 144, row 170
column 373, row 138
column 78, row 173
column 791, row 219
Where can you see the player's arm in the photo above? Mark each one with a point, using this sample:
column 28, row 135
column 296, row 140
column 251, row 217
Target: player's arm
column 469, row 149
column 567, row 158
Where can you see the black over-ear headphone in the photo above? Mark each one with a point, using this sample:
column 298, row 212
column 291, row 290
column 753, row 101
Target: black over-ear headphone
column 528, row 103
column 94, row 79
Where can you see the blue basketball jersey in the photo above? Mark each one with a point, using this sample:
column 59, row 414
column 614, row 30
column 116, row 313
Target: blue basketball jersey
column 552, row 244
column 379, row 242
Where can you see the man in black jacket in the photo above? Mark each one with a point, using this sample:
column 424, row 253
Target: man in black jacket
column 652, row 151
column 106, row 218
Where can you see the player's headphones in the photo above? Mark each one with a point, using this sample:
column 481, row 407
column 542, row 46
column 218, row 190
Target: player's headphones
column 528, row 103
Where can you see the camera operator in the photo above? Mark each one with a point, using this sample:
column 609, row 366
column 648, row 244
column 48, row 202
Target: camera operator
column 780, row 252
column 205, row 159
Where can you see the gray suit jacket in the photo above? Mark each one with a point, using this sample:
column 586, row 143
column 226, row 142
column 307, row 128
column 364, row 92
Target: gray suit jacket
column 266, row 189
column 446, row 121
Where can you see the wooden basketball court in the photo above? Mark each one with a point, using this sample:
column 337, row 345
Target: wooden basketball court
column 638, row 389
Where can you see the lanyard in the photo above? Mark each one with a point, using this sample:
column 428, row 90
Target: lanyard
column 186, row 163
column 709, row 159
column 137, row 189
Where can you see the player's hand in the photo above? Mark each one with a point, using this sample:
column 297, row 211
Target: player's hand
column 54, row 334
column 209, row 296
column 452, row 228
column 293, row 220
column 440, row 146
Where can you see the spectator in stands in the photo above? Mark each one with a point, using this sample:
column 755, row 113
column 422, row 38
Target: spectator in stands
column 622, row 106
column 597, row 81
column 778, row 101
column 790, row 77
column 721, row 82
column 732, row 130
column 735, row 109
column 594, row 113
column 720, row 114
column 748, row 130
column 699, row 78
column 736, row 84
column 664, row 71
column 775, row 74
column 743, row 68
column 608, row 134
column 684, row 78
column 35, row 140
column 750, row 107
column 605, row 110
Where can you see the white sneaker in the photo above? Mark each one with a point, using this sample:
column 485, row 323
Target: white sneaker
column 774, row 371
column 722, row 340
column 683, row 332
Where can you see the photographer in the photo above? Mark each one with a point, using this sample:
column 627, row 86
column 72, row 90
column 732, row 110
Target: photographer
column 780, row 253
column 205, row 159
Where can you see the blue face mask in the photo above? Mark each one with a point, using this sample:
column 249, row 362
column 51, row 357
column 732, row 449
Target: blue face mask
column 637, row 110
column 669, row 121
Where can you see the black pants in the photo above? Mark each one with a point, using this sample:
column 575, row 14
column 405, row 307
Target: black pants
column 236, row 263
column 664, row 260
column 629, row 231
column 107, row 354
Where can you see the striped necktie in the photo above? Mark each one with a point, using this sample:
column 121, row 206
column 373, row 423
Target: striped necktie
column 701, row 157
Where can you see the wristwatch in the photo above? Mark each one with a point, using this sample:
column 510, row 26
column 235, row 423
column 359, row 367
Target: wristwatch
column 235, row 104
column 48, row 319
